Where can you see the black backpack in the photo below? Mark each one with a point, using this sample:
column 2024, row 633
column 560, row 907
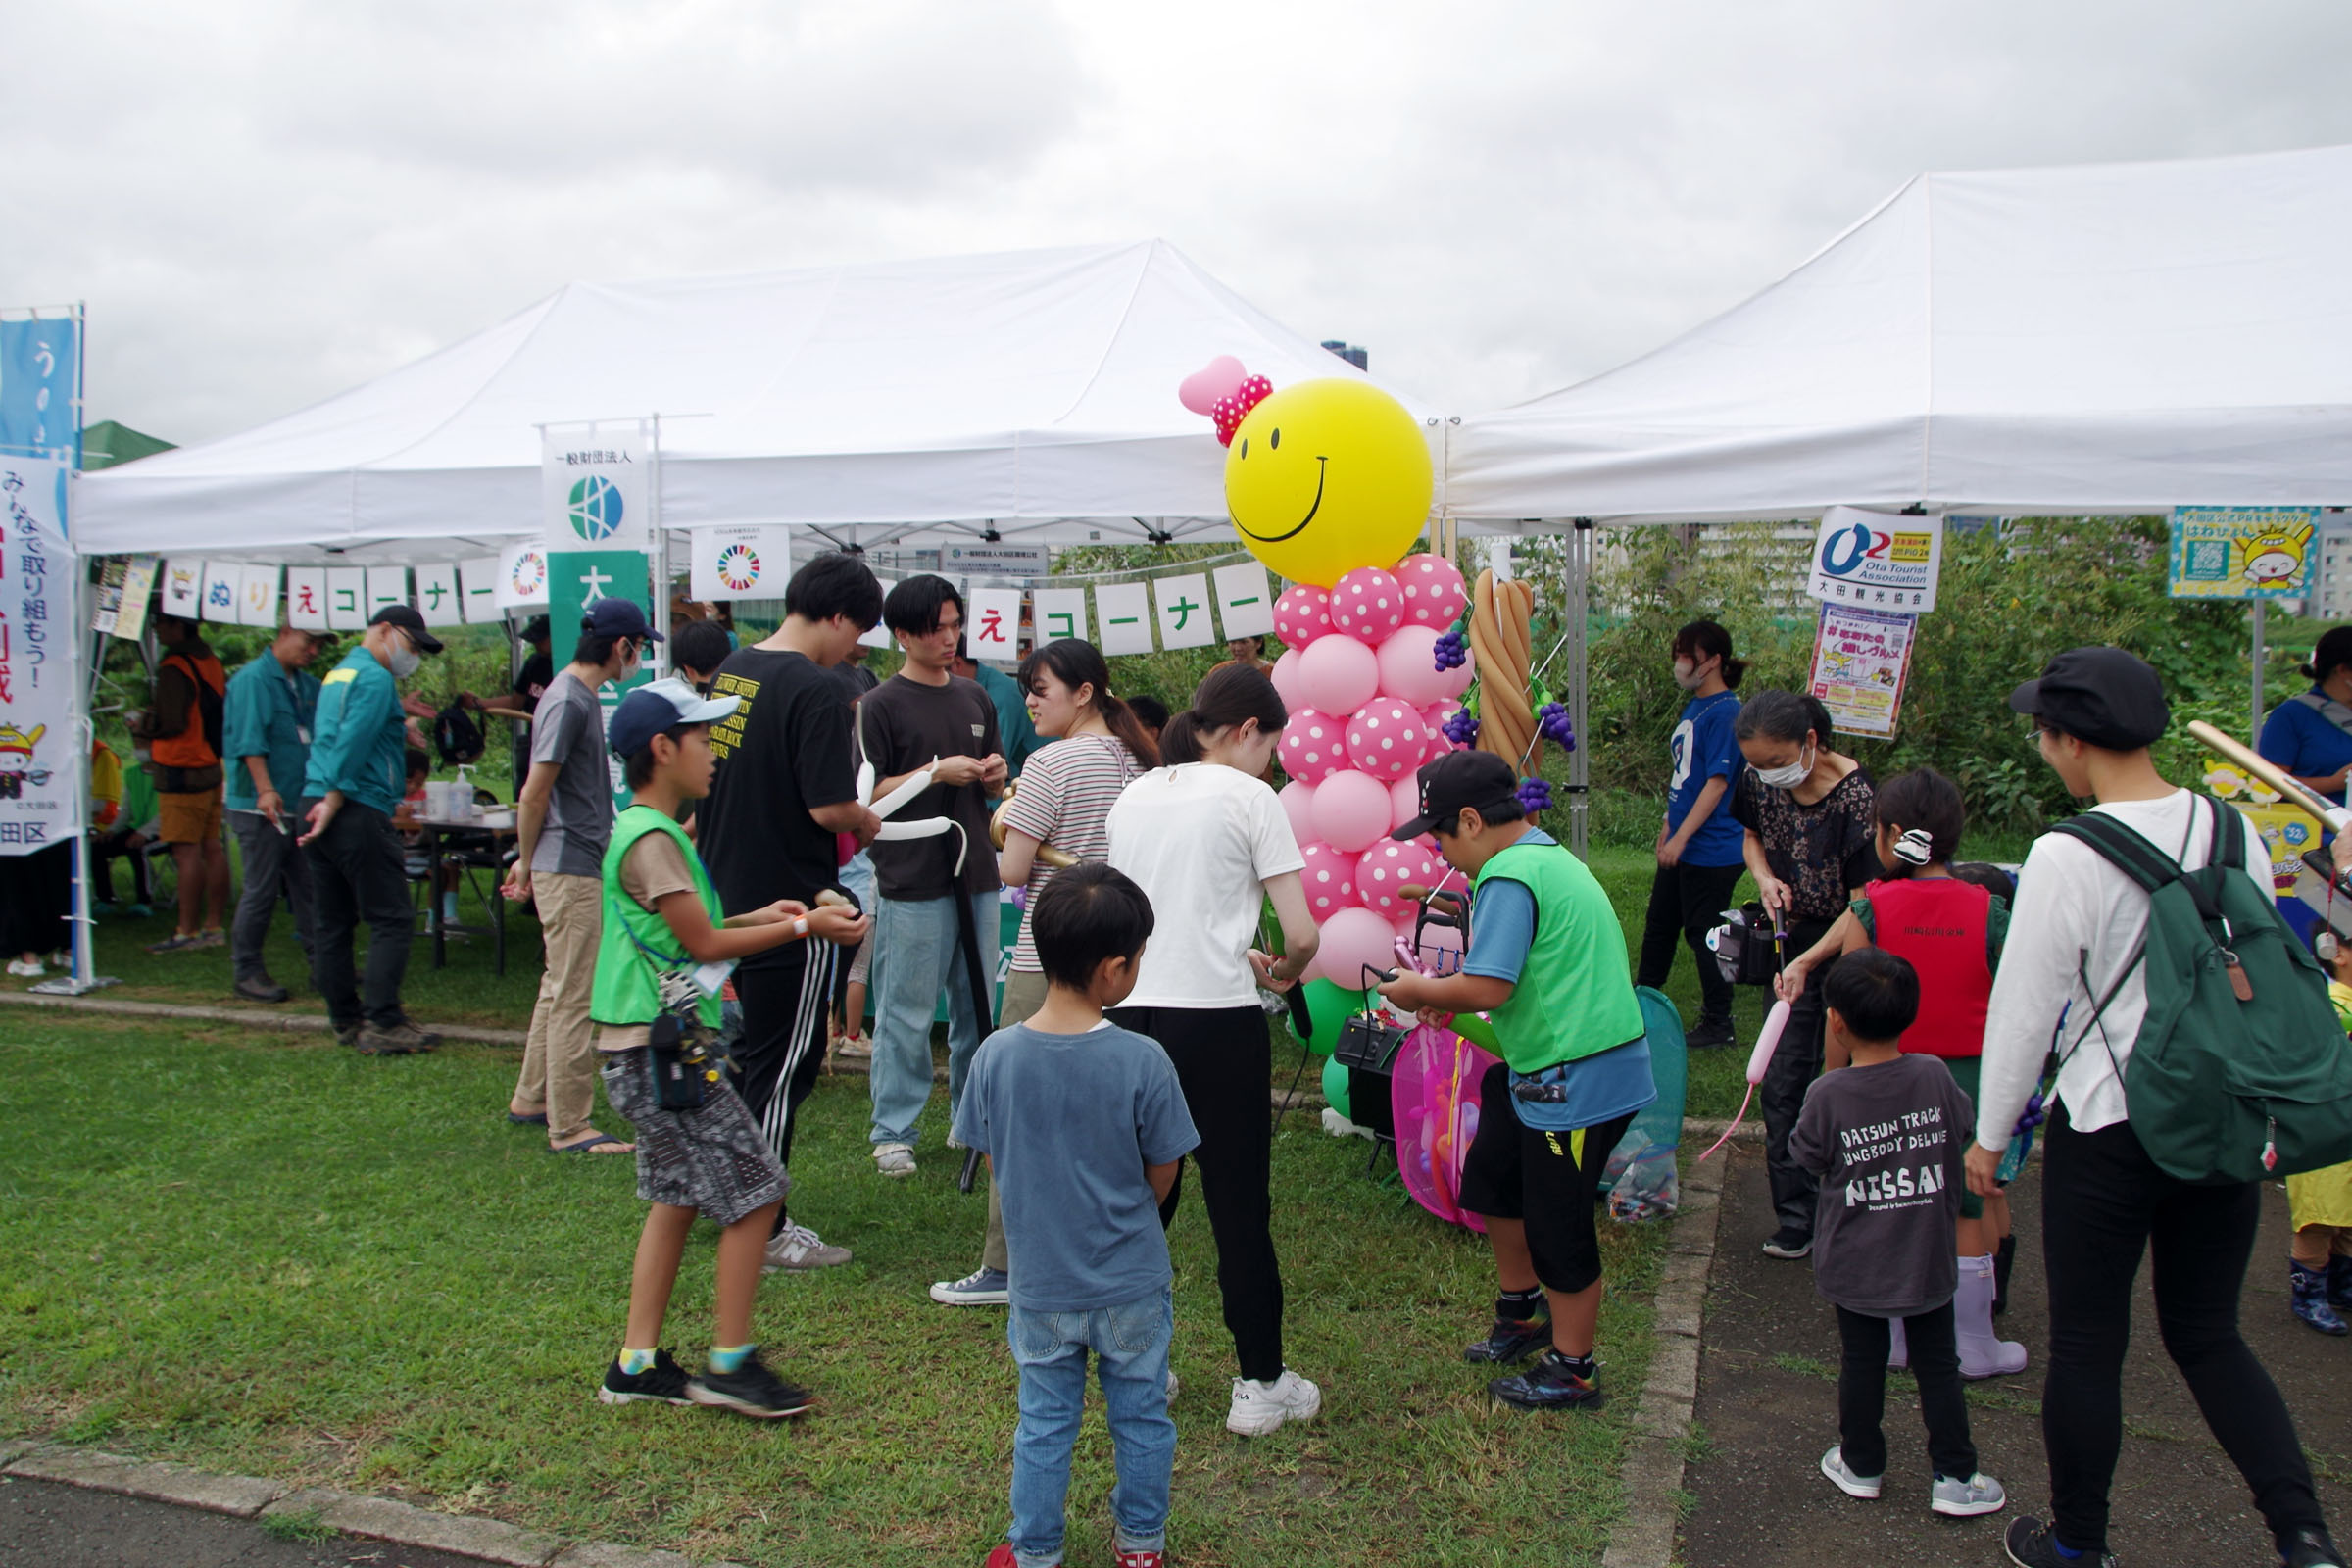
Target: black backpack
column 458, row 735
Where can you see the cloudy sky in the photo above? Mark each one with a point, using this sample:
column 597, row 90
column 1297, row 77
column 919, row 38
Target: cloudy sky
column 265, row 201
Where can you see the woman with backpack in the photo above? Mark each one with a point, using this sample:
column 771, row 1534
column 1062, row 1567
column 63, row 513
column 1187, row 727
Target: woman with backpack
column 2090, row 948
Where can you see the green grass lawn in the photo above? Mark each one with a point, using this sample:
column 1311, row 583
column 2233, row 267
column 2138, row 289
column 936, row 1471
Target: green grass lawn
column 256, row 1252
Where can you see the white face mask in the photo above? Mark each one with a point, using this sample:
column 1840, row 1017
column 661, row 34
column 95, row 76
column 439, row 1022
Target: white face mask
column 630, row 666
column 1790, row 777
column 402, row 659
column 1686, row 675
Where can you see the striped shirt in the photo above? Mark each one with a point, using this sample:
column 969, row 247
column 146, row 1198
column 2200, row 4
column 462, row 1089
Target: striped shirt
column 1064, row 800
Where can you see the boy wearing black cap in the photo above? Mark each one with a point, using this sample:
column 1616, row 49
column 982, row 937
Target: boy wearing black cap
column 1546, row 962
column 662, row 957
column 2073, row 984
column 358, row 774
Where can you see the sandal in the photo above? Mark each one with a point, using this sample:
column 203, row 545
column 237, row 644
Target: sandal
column 594, row 1146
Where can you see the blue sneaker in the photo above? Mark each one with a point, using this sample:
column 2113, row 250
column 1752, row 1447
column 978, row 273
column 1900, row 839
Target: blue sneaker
column 2307, row 1289
column 982, row 1287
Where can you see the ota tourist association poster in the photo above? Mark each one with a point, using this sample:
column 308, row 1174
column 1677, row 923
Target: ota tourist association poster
column 1860, row 659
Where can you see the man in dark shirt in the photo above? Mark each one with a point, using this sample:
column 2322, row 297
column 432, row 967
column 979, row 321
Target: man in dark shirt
column 785, row 789
column 927, row 717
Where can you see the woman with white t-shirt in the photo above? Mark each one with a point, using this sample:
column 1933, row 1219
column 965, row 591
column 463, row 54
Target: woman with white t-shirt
column 1063, row 800
column 1207, row 841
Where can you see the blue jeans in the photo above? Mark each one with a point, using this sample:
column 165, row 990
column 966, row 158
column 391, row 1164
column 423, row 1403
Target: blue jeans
column 917, row 953
column 1131, row 1362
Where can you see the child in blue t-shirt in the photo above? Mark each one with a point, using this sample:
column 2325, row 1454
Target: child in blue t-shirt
column 1083, row 1124
column 1699, row 846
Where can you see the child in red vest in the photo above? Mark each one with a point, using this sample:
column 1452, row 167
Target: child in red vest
column 1951, row 931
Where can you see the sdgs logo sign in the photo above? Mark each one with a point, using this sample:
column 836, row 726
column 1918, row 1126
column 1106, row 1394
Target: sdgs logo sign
column 593, row 485
column 1877, row 559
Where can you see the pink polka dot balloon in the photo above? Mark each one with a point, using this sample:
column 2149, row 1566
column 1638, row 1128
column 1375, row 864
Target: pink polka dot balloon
column 1302, row 614
column 1367, row 604
column 1408, row 666
column 1285, row 676
column 1350, row 811
column 1313, row 746
column 1384, row 870
column 1387, row 739
column 1298, row 799
column 1435, row 715
column 1404, row 802
column 1435, row 595
column 1330, row 881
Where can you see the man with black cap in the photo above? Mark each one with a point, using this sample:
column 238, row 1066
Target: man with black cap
column 1546, row 962
column 2073, row 981
column 563, row 818
column 358, row 773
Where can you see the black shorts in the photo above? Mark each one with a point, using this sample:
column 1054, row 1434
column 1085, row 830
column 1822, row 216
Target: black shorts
column 1549, row 1180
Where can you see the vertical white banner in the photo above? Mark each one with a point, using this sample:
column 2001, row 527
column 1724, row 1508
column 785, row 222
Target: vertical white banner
column 182, row 588
column 1245, row 600
column 222, row 579
column 346, row 598
column 257, row 596
column 991, row 624
column 479, row 579
column 593, row 484
column 41, row 758
column 437, row 597
column 879, row 636
column 1059, row 613
column 751, row 563
column 1183, row 605
column 523, row 575
column 1123, row 617
column 305, row 597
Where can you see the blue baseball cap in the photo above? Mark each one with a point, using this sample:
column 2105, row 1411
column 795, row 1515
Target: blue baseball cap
column 618, row 618
column 660, row 706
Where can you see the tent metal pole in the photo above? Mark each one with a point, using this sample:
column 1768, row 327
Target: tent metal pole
column 1577, row 613
column 2261, row 658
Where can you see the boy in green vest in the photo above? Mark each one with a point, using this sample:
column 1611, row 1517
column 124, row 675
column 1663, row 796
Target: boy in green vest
column 1547, row 963
column 663, row 957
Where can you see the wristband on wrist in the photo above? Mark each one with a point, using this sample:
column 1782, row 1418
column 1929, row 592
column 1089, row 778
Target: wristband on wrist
column 800, row 926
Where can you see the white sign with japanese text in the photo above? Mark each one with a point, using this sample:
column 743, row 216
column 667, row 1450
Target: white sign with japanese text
column 730, row 563
column 221, row 580
column 305, row 597
column 592, row 484
column 1183, row 604
column 346, row 598
column 1877, row 559
column 182, row 588
column 1123, row 617
column 522, row 577
column 386, row 585
column 437, row 597
column 1245, row 600
column 1059, row 613
column 991, row 624
column 40, row 756
column 479, row 579
column 257, row 596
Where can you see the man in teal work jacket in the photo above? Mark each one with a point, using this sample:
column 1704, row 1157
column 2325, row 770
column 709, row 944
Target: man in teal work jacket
column 358, row 773
column 272, row 706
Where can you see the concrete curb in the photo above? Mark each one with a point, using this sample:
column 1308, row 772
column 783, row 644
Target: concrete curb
column 243, row 1017
column 1651, row 1472
column 378, row 1518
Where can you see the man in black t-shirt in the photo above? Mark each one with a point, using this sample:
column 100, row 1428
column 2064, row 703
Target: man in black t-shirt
column 786, row 787
column 928, row 888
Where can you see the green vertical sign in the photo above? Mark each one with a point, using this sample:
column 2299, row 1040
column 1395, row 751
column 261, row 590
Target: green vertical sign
column 576, row 579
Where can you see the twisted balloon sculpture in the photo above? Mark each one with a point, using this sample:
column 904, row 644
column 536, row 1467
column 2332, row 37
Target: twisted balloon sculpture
column 1503, row 645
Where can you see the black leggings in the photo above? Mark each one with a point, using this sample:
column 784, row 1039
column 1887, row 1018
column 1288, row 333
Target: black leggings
column 1684, row 902
column 1862, row 1391
column 1796, row 1063
column 1225, row 1062
column 2103, row 1204
column 787, row 1002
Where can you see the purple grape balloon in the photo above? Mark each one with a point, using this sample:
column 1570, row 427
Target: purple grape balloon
column 1535, row 796
column 1449, row 652
column 1461, row 728
column 1552, row 723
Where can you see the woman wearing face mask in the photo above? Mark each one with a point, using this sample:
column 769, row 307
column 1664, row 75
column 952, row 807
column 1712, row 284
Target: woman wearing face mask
column 1700, row 845
column 1809, row 813
column 1064, row 801
column 1207, row 841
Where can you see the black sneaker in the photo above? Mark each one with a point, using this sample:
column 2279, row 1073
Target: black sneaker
column 1512, row 1341
column 2030, row 1543
column 348, row 1034
column 1548, row 1385
column 664, row 1383
column 751, row 1389
column 2311, row 1548
column 1710, row 1033
column 1786, row 1243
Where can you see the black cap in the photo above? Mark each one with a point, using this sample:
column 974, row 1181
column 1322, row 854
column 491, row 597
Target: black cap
column 2103, row 697
column 534, row 630
column 1476, row 781
column 618, row 618
column 404, row 616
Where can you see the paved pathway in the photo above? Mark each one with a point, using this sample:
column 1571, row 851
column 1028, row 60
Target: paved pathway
column 44, row 1524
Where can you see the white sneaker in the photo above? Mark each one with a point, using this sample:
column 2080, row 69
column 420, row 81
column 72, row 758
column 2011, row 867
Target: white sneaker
column 895, row 1159
column 1964, row 1500
column 796, row 1247
column 1173, row 1384
column 25, row 969
column 1261, row 1407
column 1833, row 1465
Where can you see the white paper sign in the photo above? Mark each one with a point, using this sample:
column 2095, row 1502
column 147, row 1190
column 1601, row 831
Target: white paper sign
column 522, row 577
column 879, row 635
column 478, row 579
column 991, row 626
column 386, row 585
column 257, row 596
column 183, row 585
column 1123, row 617
column 1245, row 600
column 221, row 580
column 437, row 598
column 42, row 758
column 1183, row 605
column 346, row 598
column 305, row 597
column 1061, row 613
column 1877, row 559
column 592, row 484
column 740, row 562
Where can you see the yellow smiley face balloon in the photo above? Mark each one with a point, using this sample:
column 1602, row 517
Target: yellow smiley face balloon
column 1326, row 477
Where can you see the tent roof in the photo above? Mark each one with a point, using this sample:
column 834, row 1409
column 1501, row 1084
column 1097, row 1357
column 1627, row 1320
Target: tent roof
column 1034, row 388
column 108, row 443
column 2120, row 337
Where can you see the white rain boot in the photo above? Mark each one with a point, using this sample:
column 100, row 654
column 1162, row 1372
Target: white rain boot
column 1982, row 1354
column 1899, row 1349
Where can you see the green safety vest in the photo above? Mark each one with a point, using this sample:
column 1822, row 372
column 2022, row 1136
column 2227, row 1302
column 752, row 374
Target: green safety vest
column 637, row 945
column 1575, row 997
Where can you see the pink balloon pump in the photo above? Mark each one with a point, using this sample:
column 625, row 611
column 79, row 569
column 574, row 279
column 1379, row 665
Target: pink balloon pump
column 1768, row 1040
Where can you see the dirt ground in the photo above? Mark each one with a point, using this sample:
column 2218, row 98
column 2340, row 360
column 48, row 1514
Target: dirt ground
column 1767, row 1409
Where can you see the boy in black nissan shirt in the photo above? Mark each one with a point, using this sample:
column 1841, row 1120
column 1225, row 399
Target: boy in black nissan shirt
column 786, row 787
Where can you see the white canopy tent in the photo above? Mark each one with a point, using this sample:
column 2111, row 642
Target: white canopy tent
column 1030, row 392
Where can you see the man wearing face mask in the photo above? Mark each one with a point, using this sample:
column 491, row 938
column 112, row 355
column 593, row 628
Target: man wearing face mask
column 358, row 773
column 562, row 821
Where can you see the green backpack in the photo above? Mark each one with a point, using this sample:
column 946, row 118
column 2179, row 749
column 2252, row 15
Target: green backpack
column 2241, row 1069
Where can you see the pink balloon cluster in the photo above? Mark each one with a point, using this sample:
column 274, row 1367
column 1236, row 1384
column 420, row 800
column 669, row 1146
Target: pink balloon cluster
column 1366, row 697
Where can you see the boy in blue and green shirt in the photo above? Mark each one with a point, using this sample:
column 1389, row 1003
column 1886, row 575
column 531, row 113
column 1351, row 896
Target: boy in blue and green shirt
column 1547, row 963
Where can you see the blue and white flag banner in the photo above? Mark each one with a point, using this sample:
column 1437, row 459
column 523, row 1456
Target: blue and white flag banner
column 40, row 391
column 40, row 754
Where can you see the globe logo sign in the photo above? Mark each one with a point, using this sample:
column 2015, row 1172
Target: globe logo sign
column 594, row 508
